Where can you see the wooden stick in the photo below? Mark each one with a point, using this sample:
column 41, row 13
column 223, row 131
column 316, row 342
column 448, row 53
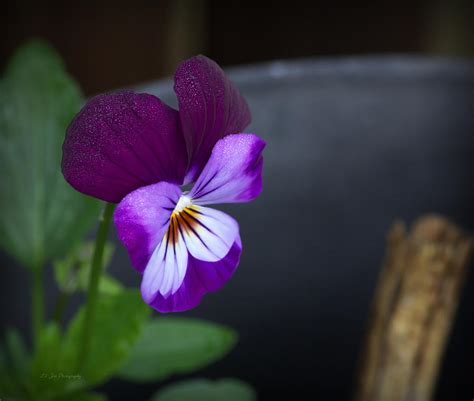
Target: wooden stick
column 413, row 310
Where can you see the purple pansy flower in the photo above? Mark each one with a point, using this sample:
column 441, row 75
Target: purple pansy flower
column 134, row 150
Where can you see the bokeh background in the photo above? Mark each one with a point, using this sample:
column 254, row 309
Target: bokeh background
column 114, row 43
column 310, row 352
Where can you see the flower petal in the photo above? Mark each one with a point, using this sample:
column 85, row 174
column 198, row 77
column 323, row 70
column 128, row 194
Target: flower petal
column 142, row 219
column 210, row 107
column 233, row 172
column 166, row 268
column 201, row 278
column 122, row 141
column 208, row 233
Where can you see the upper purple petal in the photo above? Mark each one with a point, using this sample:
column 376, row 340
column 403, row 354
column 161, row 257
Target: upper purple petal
column 210, row 107
column 142, row 219
column 122, row 141
column 233, row 172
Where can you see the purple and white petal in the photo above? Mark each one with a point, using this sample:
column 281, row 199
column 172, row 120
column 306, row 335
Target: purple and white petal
column 208, row 233
column 210, row 107
column 233, row 172
column 166, row 269
column 142, row 219
column 201, row 278
column 121, row 141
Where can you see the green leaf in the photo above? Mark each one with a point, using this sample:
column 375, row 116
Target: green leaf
column 16, row 366
column 51, row 375
column 72, row 272
column 41, row 216
column 11, row 385
column 109, row 285
column 118, row 322
column 18, row 357
column 176, row 345
column 207, row 390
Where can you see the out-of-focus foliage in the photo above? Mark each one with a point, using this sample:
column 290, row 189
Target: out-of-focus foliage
column 176, row 345
column 207, row 390
column 72, row 272
column 14, row 366
column 118, row 322
column 41, row 216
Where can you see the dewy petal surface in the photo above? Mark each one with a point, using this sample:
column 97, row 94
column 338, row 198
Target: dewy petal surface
column 233, row 172
column 142, row 219
column 122, row 141
column 201, row 278
column 210, row 107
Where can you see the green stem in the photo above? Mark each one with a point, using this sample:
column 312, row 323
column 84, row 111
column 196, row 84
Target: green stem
column 94, row 280
column 37, row 302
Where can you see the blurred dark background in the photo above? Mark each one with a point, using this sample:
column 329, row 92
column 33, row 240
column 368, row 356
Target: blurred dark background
column 311, row 349
column 114, row 43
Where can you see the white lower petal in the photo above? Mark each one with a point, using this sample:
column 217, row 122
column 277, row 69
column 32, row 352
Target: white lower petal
column 208, row 233
column 166, row 269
